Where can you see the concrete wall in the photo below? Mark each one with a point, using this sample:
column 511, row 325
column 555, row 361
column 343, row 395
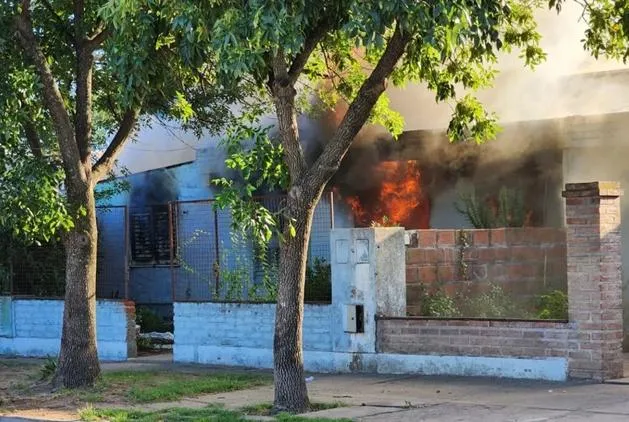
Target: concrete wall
column 34, row 328
column 524, row 262
column 241, row 333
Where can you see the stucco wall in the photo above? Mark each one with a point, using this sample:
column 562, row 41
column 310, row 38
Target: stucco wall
column 35, row 328
column 241, row 325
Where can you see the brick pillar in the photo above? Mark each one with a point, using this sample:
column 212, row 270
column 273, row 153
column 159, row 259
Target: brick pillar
column 594, row 279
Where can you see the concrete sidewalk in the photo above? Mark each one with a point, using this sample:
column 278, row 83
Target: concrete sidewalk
column 438, row 399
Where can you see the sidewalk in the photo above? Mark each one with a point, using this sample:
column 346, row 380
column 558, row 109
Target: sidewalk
column 429, row 399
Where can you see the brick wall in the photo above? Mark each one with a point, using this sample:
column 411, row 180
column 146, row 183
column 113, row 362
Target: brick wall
column 590, row 343
column 242, row 325
column 594, row 277
column 489, row 338
column 36, row 328
column 523, row 261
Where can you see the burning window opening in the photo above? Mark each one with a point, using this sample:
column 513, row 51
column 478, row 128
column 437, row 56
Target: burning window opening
column 396, row 200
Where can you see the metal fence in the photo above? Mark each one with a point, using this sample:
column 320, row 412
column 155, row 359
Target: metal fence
column 191, row 244
column 212, row 261
column 39, row 270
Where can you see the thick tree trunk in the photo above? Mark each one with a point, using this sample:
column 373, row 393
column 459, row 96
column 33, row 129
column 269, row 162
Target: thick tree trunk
column 78, row 360
column 291, row 393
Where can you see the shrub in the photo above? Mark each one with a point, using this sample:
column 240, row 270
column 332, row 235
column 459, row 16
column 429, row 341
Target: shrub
column 552, row 305
column 437, row 304
column 493, row 303
column 149, row 321
column 318, row 281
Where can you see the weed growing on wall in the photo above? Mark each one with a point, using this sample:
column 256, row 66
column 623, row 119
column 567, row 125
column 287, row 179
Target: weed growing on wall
column 493, row 302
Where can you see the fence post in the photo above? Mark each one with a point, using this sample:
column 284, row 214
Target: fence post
column 594, row 279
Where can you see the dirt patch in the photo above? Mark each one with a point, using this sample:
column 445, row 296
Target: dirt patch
column 23, row 393
column 22, row 389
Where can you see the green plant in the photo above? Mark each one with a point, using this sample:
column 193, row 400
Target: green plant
column 508, row 210
column 143, row 343
column 437, row 303
column 318, row 281
column 48, row 369
column 149, row 321
column 493, row 303
column 552, row 305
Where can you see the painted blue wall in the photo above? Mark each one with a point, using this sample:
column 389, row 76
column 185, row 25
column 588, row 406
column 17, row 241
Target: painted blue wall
column 196, row 228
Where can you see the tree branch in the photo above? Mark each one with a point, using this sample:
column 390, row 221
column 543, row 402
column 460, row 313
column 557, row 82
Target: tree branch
column 357, row 114
column 98, row 38
column 300, row 60
column 125, row 128
column 52, row 96
column 32, row 137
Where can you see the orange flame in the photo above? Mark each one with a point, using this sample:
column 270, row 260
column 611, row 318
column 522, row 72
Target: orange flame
column 399, row 200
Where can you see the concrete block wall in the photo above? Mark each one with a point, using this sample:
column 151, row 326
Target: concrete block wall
column 36, row 328
column 524, row 261
column 241, row 333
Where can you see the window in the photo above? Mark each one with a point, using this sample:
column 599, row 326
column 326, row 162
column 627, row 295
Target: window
column 150, row 236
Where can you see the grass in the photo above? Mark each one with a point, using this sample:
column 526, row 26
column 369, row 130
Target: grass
column 146, row 387
column 211, row 413
column 265, row 409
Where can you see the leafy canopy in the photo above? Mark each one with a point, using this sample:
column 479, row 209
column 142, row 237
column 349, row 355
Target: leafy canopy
column 330, row 49
column 137, row 71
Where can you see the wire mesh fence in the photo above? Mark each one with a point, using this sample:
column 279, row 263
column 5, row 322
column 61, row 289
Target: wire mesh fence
column 192, row 241
column 39, row 270
column 215, row 262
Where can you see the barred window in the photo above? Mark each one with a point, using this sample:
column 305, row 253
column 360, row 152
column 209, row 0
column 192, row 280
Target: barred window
column 150, row 236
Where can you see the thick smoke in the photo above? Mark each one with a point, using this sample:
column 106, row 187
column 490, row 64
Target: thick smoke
column 539, row 111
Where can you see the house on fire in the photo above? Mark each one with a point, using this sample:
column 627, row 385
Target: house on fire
column 164, row 235
column 161, row 240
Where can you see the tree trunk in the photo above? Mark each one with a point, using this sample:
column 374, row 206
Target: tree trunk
column 78, row 359
column 291, row 394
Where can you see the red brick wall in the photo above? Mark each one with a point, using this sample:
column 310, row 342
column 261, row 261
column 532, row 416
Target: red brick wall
column 522, row 260
column 475, row 337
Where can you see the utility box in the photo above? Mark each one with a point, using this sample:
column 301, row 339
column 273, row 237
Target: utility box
column 355, row 319
column 368, row 280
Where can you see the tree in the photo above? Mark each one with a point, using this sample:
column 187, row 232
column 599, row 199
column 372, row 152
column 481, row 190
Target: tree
column 344, row 51
column 74, row 89
column 607, row 31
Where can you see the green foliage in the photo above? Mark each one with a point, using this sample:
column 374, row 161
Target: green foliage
column 318, row 281
column 493, row 303
column 144, row 344
column 437, row 304
column 150, row 386
column 210, row 413
column 258, row 160
column 607, row 32
column 509, row 211
column 48, row 369
column 149, row 321
column 552, row 305
column 35, row 270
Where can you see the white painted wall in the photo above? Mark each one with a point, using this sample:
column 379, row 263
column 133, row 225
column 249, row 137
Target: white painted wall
column 203, row 330
column 35, row 328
